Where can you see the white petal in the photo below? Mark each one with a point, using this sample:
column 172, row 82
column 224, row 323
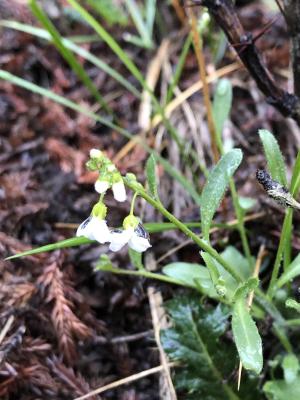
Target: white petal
column 138, row 243
column 119, row 191
column 101, row 232
column 101, row 186
column 95, row 153
column 85, row 229
column 118, row 239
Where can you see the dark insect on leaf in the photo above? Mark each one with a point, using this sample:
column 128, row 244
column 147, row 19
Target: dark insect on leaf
column 275, row 190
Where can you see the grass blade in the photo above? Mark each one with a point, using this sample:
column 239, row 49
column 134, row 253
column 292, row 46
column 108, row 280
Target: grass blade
column 43, row 34
column 72, row 242
column 68, row 103
column 67, row 54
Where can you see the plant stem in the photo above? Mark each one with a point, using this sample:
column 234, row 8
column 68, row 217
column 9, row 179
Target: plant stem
column 142, row 273
column 240, row 218
column 200, row 242
column 283, row 237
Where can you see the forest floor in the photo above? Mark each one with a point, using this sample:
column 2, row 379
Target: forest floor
column 74, row 329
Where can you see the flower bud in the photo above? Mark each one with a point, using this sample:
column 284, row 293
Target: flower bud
column 119, row 191
column 101, row 186
column 95, row 153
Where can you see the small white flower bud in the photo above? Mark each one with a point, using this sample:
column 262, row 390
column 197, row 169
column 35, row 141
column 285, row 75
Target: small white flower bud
column 119, row 191
column 95, row 153
column 111, row 168
column 101, row 186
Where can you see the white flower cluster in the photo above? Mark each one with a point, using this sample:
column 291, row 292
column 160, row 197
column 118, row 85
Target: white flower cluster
column 95, row 226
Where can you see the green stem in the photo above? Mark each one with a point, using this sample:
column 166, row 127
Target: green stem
column 142, row 273
column 132, row 203
column 240, row 218
column 200, row 242
column 283, row 236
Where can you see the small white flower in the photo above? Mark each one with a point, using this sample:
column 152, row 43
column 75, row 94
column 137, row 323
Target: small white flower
column 119, row 191
column 101, row 186
column 137, row 239
column 95, row 153
column 118, row 238
column 94, row 228
column 138, row 243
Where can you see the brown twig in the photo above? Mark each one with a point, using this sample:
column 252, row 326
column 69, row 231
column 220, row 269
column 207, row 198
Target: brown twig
column 226, row 17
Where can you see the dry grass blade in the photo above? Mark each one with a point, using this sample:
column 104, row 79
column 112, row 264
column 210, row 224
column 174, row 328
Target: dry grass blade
column 198, row 45
column 6, row 328
column 159, row 320
column 124, row 381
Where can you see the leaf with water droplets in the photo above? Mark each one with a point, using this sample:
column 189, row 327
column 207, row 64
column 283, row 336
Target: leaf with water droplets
column 274, row 156
column 246, row 337
column 215, row 187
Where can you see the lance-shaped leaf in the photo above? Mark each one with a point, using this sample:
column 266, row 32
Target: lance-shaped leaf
column 215, row 187
column 151, row 177
column 292, row 271
column 274, row 156
column 246, row 337
column 222, row 105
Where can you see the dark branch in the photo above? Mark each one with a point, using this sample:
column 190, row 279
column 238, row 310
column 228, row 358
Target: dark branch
column 226, row 17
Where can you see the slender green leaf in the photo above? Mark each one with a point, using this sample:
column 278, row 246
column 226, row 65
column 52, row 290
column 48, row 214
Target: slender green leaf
column 108, row 39
column 130, row 65
column 292, row 271
column 139, row 22
column 151, row 177
column 62, row 100
column 72, row 242
column 215, row 187
column 179, row 67
column 67, row 54
column 246, row 337
column 82, row 52
column 274, row 156
column 222, row 105
column 295, row 182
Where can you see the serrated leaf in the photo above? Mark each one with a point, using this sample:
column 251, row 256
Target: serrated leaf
column 290, row 365
column 192, row 275
column 246, row 337
column 274, row 156
column 195, row 340
column 151, row 177
column 215, row 187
